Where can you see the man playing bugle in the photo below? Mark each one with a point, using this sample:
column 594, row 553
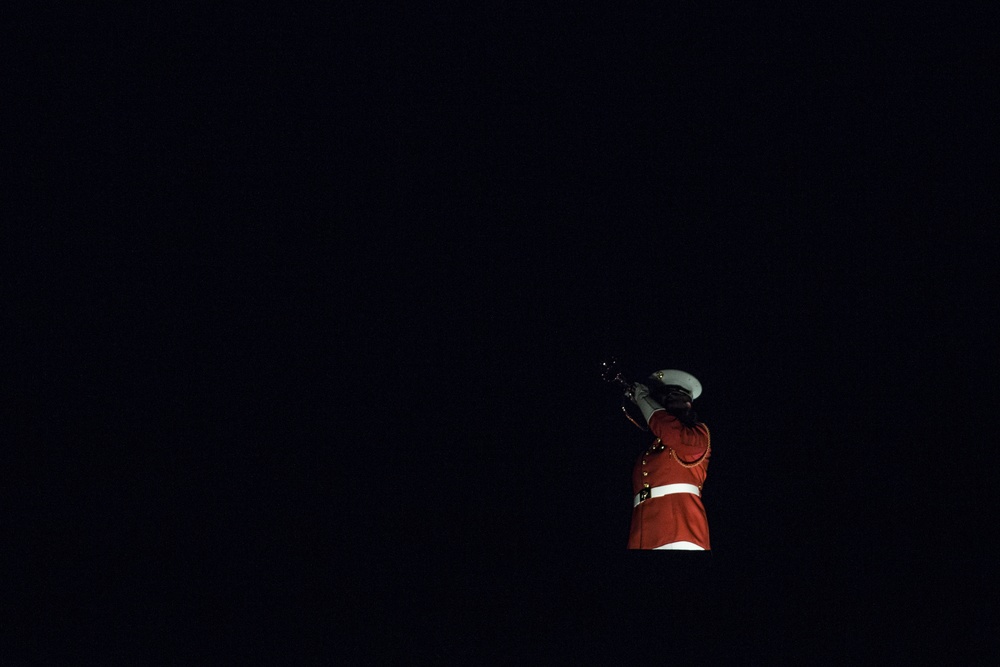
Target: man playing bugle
column 669, row 475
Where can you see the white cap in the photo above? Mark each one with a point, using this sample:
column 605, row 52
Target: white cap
column 681, row 379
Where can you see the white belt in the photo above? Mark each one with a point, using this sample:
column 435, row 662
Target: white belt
column 664, row 490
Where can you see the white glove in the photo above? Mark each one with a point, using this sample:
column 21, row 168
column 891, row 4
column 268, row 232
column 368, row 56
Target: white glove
column 638, row 392
column 640, row 396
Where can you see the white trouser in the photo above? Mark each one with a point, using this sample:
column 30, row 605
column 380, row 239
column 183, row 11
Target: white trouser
column 687, row 546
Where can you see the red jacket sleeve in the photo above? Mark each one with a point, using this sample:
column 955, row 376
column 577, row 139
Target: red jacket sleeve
column 689, row 442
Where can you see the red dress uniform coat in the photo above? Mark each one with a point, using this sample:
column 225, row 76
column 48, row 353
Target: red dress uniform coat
column 678, row 516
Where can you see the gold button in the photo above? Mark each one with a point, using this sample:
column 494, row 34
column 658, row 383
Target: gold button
column 645, row 472
column 644, row 462
column 646, row 485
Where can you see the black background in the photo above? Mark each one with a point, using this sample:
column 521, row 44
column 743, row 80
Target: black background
column 319, row 301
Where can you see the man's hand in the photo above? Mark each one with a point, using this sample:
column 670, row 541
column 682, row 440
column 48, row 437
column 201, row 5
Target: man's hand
column 638, row 392
column 640, row 396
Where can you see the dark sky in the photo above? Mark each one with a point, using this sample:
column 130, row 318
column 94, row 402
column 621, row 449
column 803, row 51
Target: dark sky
column 332, row 323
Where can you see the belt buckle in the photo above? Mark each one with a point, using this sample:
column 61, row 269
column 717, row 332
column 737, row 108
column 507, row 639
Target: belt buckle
column 644, row 495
